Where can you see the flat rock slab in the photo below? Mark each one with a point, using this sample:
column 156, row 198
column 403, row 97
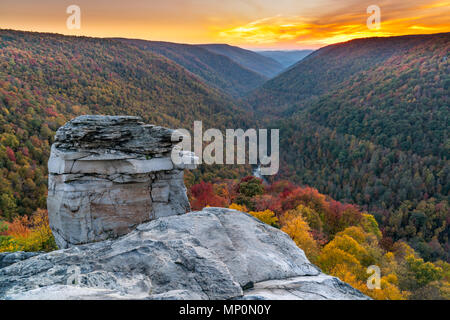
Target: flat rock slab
column 123, row 134
column 211, row 254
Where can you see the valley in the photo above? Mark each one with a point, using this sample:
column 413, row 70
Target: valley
column 363, row 129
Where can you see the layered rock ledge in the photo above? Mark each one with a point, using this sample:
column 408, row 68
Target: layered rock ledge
column 108, row 174
column 216, row 253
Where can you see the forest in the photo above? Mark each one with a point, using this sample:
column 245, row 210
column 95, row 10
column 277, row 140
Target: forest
column 217, row 70
column 364, row 176
column 46, row 80
column 341, row 239
column 366, row 122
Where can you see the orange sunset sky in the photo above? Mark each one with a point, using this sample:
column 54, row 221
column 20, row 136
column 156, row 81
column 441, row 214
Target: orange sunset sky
column 275, row 24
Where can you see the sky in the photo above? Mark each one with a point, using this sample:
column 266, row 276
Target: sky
column 253, row 24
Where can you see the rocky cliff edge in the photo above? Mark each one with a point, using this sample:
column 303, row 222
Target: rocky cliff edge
column 118, row 209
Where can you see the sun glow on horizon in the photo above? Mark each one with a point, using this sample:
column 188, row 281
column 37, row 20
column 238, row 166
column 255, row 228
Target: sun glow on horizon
column 295, row 31
column 286, row 24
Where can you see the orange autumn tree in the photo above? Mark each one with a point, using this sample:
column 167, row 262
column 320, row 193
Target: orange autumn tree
column 28, row 234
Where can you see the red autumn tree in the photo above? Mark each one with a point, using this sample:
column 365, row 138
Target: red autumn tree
column 203, row 195
column 10, row 154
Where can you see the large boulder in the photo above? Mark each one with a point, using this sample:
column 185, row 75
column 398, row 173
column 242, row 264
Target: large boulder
column 117, row 207
column 212, row 254
column 108, row 174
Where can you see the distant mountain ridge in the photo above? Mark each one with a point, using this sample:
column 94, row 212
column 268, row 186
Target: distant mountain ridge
column 328, row 67
column 48, row 79
column 367, row 121
column 268, row 67
column 217, row 70
column 286, row 58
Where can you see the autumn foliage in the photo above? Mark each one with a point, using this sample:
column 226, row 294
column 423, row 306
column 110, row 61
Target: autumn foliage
column 340, row 238
column 27, row 234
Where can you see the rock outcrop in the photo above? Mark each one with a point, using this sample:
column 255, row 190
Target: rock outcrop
column 117, row 205
column 212, row 254
column 109, row 174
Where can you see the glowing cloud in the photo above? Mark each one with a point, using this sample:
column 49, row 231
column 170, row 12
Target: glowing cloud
column 248, row 23
column 312, row 32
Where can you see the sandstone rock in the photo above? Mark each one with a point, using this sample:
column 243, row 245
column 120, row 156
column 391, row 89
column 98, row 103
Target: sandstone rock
column 212, row 254
column 116, row 202
column 108, row 174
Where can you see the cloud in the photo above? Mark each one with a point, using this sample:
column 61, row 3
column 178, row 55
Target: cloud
column 248, row 23
column 269, row 30
column 328, row 27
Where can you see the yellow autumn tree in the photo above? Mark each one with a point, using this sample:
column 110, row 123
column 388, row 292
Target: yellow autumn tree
column 349, row 254
column 351, row 246
column 356, row 233
column 370, row 225
column 266, row 216
column 298, row 229
column 24, row 234
column 332, row 257
column 311, row 216
column 388, row 290
column 238, row 207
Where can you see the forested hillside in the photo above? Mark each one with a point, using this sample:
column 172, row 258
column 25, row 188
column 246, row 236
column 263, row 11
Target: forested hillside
column 327, row 68
column 367, row 122
column 46, row 80
column 215, row 69
column 407, row 193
